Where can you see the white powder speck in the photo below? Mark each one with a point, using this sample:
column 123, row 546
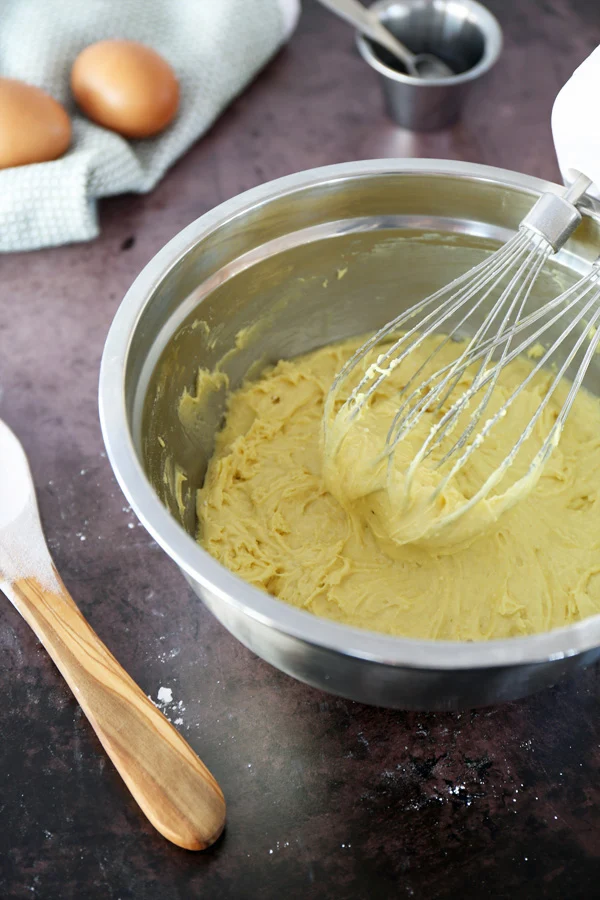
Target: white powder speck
column 270, row 851
column 179, row 721
column 456, row 789
column 130, row 525
column 249, row 765
column 165, row 695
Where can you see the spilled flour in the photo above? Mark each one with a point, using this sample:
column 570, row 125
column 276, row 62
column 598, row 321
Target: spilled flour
column 165, row 695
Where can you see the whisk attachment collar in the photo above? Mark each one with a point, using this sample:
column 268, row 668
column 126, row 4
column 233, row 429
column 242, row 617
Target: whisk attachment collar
column 553, row 218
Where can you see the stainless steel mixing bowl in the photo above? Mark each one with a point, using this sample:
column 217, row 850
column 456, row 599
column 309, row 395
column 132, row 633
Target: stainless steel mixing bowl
column 262, row 277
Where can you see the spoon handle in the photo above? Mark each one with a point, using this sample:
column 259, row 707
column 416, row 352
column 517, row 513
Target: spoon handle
column 366, row 21
column 172, row 786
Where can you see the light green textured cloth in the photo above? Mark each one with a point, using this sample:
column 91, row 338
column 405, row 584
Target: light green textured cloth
column 215, row 48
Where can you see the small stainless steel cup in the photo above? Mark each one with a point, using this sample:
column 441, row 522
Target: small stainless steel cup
column 463, row 33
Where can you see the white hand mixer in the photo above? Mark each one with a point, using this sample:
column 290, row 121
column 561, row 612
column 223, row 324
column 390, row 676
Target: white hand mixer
column 505, row 280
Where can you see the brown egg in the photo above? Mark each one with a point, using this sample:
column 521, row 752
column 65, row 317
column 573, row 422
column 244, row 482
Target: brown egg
column 34, row 127
column 126, row 87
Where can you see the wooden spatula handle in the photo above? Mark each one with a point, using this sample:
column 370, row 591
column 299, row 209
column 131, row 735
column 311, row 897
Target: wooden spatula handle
column 172, row 786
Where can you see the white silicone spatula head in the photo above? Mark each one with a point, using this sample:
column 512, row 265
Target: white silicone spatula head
column 20, row 556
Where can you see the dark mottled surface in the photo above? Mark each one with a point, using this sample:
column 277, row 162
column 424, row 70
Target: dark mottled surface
column 326, row 798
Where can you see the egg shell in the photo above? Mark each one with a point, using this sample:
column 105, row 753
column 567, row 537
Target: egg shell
column 34, row 127
column 125, row 86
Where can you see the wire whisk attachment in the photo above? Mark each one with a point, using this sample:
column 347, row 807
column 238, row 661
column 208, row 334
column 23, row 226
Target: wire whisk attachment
column 445, row 393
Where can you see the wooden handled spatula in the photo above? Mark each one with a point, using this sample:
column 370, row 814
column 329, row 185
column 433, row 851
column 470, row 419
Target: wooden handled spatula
column 172, row 786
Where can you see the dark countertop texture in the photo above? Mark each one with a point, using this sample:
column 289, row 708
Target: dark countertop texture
column 326, row 798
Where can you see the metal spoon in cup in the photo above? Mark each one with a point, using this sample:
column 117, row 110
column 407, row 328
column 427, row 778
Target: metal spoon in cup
column 419, row 65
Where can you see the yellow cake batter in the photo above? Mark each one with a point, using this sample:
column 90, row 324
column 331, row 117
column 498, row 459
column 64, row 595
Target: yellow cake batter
column 325, row 532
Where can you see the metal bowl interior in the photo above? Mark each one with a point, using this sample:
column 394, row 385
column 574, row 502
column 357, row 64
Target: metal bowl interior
column 287, row 267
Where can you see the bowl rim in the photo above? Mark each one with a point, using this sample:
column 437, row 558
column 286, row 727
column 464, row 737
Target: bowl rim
column 489, row 26
column 196, row 562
